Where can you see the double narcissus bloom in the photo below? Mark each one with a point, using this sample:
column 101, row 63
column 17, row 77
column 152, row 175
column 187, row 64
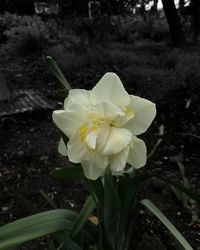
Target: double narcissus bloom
column 102, row 125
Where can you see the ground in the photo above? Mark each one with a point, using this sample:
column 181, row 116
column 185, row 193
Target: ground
column 28, row 153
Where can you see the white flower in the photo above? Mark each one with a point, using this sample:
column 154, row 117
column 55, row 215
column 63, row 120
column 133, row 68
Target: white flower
column 102, row 125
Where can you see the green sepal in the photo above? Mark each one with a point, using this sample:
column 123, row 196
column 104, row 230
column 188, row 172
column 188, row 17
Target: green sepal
column 57, row 72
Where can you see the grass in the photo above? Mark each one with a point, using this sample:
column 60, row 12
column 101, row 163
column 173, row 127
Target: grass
column 151, row 68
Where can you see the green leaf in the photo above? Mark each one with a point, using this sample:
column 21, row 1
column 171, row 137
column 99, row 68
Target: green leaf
column 161, row 133
column 83, row 216
column 111, row 209
column 192, row 194
column 128, row 189
column 51, row 245
column 75, row 172
column 46, row 197
column 35, row 226
column 57, row 72
column 96, row 188
column 65, row 242
column 148, row 204
column 190, row 134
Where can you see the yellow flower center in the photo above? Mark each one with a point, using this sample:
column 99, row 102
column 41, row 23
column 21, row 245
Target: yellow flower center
column 121, row 120
column 83, row 132
column 129, row 113
column 95, row 122
column 89, row 127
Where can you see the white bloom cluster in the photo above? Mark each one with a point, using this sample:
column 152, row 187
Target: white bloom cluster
column 102, row 125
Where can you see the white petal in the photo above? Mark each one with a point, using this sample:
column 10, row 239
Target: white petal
column 103, row 132
column 95, row 167
column 77, row 151
column 110, row 88
column 69, row 121
column 118, row 161
column 118, row 139
column 124, row 118
column 91, row 172
column 77, row 96
column 145, row 112
column 137, row 153
column 62, row 148
column 105, row 110
column 91, row 139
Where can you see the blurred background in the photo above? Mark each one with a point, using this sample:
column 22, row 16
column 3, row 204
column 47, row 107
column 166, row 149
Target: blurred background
column 154, row 47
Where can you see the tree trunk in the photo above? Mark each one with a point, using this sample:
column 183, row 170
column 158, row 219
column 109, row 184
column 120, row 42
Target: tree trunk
column 173, row 20
column 155, row 6
column 181, row 6
column 195, row 8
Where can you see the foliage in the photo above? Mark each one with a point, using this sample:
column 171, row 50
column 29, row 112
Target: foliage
column 159, row 30
column 18, row 6
column 109, row 7
column 155, row 63
column 116, row 201
column 27, row 33
column 115, row 197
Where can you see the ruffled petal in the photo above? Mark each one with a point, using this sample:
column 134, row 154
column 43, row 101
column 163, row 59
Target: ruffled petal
column 91, row 139
column 118, row 161
column 123, row 118
column 77, row 151
column 137, row 153
column 94, row 167
column 103, row 132
column 62, row 148
column 105, row 110
column 145, row 112
column 69, row 121
column 118, row 139
column 110, row 88
column 77, row 96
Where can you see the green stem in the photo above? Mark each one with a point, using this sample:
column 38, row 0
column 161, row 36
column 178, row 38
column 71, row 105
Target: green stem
column 100, row 231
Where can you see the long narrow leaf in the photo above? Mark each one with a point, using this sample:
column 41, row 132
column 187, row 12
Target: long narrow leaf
column 35, row 226
column 148, row 204
column 192, row 194
column 74, row 172
column 128, row 192
column 83, row 216
column 111, row 209
column 161, row 133
column 66, row 242
column 97, row 188
column 57, row 72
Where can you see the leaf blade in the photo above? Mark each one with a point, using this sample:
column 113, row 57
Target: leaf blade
column 83, row 216
column 111, row 209
column 35, row 226
column 74, row 172
column 148, row 204
column 57, row 72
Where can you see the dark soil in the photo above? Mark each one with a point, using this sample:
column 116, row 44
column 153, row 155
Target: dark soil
column 28, row 154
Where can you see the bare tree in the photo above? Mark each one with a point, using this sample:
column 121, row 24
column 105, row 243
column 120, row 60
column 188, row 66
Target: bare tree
column 154, row 8
column 181, row 6
column 177, row 35
column 195, row 12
